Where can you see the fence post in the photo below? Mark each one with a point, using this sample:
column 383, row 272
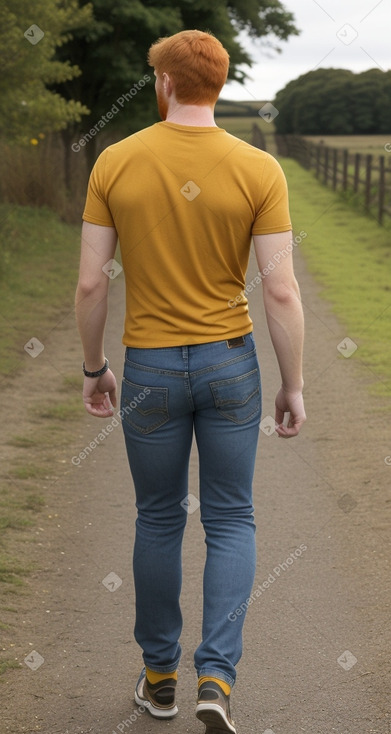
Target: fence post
column 326, row 165
column 368, row 171
column 345, row 161
column 258, row 138
column 381, row 188
column 335, row 168
column 357, row 159
column 285, row 148
column 317, row 169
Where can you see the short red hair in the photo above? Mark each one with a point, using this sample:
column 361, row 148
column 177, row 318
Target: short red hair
column 196, row 62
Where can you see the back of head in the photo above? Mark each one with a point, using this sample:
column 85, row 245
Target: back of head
column 196, row 62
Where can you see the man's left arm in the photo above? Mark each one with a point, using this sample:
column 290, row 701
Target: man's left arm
column 98, row 246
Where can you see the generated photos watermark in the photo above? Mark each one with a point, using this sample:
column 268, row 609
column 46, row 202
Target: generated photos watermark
column 34, row 34
column 109, row 428
column 261, row 275
column 112, row 581
column 126, row 724
column 272, row 577
column 33, row 347
column 34, row 660
column 110, row 114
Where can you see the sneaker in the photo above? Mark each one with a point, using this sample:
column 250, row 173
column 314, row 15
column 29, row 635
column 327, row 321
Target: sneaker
column 213, row 709
column 157, row 698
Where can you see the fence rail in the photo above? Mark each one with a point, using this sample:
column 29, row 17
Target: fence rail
column 366, row 175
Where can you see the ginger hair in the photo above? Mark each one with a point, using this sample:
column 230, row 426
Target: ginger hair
column 196, row 62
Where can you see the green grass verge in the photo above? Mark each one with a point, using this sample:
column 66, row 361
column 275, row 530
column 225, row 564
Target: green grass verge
column 7, row 664
column 350, row 256
column 23, row 490
column 38, row 275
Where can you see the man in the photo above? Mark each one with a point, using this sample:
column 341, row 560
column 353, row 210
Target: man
column 185, row 197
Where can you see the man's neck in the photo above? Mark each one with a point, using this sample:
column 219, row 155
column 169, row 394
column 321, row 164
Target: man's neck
column 192, row 115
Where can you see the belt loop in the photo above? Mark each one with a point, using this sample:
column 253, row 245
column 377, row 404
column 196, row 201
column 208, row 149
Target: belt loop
column 185, row 357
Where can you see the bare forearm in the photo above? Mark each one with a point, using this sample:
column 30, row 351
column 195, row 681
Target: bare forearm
column 286, row 326
column 91, row 313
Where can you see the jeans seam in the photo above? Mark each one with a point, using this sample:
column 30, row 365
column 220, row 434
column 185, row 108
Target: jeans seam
column 195, row 373
column 156, row 370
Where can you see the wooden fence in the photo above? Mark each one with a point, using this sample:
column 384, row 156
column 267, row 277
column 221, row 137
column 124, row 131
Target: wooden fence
column 367, row 176
column 258, row 139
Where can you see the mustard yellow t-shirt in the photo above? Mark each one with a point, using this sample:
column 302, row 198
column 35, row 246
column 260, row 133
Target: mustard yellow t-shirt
column 185, row 201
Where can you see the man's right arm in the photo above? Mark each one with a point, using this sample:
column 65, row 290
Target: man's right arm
column 284, row 315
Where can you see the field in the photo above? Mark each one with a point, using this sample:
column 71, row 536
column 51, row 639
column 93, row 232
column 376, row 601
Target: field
column 242, row 127
column 239, row 126
column 365, row 144
column 38, row 274
column 227, row 116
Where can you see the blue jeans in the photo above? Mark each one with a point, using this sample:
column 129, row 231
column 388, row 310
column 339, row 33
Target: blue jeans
column 215, row 390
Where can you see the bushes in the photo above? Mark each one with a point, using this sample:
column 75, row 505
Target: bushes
column 335, row 102
column 33, row 175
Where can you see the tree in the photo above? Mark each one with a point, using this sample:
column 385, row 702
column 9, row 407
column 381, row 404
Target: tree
column 383, row 105
column 335, row 102
column 112, row 54
column 28, row 41
column 368, row 92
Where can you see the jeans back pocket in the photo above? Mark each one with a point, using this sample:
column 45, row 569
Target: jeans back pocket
column 238, row 398
column 144, row 408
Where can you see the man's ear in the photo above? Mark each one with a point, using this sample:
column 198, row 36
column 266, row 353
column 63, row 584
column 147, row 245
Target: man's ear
column 167, row 84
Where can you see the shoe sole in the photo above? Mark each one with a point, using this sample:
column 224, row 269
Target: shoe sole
column 155, row 712
column 211, row 714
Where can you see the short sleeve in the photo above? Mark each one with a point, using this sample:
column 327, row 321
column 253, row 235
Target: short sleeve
column 273, row 208
column 96, row 209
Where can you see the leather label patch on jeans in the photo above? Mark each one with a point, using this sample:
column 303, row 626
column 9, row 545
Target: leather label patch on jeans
column 238, row 341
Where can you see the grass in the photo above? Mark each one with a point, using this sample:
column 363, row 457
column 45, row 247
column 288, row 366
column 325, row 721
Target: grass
column 242, row 128
column 12, row 573
column 20, row 498
column 68, row 410
column 28, row 471
column 21, row 501
column 34, row 175
column 350, row 256
column 7, row 664
column 38, row 274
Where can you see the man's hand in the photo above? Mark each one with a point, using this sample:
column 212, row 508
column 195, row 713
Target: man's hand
column 100, row 395
column 292, row 403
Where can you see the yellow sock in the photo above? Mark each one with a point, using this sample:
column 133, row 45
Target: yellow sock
column 225, row 686
column 154, row 677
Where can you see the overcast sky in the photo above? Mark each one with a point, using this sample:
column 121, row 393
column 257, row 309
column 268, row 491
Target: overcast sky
column 343, row 34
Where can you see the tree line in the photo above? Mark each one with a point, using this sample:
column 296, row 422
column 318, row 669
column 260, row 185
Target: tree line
column 65, row 63
column 335, row 102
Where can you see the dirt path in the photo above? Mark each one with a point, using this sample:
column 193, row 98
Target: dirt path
column 322, row 588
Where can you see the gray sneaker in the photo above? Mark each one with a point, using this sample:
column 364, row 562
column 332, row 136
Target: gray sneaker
column 157, row 698
column 213, row 709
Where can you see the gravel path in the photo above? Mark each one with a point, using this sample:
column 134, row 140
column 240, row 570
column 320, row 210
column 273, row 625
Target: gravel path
column 316, row 648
